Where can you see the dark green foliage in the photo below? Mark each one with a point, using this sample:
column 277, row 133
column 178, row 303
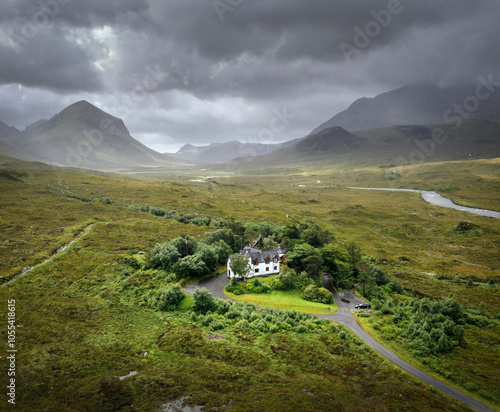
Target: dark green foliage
column 234, row 287
column 466, row 226
column 191, row 266
column 256, row 286
column 289, row 279
column 315, row 294
column 169, row 297
column 432, row 327
column 203, row 301
column 133, row 262
column 225, row 235
column 164, row 256
column 306, row 258
column 240, row 265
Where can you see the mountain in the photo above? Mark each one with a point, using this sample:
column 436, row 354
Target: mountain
column 8, row 132
column 412, row 104
column 84, row 136
column 224, row 152
column 35, row 124
column 473, row 138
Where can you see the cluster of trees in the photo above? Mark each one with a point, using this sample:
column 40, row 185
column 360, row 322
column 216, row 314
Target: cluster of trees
column 428, row 327
column 188, row 258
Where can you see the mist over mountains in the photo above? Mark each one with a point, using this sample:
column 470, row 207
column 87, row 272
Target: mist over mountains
column 416, row 104
column 395, row 127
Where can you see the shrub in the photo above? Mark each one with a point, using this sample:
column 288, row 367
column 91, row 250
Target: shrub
column 203, row 301
column 274, row 329
column 169, row 298
column 217, row 325
column 315, row 294
column 342, row 335
column 256, row 286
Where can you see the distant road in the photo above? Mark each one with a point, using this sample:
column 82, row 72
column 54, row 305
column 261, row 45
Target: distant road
column 436, row 199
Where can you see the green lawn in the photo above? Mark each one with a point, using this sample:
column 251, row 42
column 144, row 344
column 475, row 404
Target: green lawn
column 285, row 300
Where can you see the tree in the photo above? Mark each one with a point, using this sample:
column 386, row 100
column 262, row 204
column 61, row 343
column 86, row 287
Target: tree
column 186, row 245
column 336, row 262
column 314, row 235
column 164, row 256
column 306, row 258
column 240, row 265
column 208, row 254
column 269, row 243
column 203, row 301
column 191, row 266
column 355, row 255
column 169, row 298
column 225, row 235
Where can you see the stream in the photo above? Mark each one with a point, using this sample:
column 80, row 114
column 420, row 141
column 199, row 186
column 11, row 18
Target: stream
column 437, row 200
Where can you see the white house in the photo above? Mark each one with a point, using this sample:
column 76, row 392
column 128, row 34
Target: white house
column 262, row 262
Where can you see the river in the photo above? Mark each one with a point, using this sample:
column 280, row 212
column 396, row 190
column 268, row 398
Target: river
column 437, row 200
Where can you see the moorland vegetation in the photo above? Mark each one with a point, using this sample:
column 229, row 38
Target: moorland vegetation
column 111, row 301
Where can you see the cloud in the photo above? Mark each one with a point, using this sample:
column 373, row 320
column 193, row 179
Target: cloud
column 180, row 71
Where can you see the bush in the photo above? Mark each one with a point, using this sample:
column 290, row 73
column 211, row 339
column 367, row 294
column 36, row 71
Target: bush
column 315, row 294
column 203, row 301
column 217, row 325
column 256, row 286
column 234, row 287
column 169, row 298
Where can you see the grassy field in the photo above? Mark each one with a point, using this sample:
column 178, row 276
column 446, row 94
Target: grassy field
column 284, row 300
column 80, row 324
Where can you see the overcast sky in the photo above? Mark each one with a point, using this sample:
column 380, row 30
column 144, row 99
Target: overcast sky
column 201, row 71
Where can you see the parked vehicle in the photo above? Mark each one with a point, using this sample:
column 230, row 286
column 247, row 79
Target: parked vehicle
column 364, row 305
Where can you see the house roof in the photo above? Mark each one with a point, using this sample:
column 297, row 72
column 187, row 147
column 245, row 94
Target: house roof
column 261, row 255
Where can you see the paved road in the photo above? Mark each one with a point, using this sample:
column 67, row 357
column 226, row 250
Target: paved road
column 343, row 316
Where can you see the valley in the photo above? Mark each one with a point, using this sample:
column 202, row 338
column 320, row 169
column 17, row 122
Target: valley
column 77, row 312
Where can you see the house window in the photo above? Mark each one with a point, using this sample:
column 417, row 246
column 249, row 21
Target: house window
column 267, row 269
column 256, row 270
column 275, row 268
column 267, row 259
column 229, row 272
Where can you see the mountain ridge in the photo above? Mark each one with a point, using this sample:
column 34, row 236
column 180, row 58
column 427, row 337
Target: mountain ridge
column 416, row 104
column 82, row 135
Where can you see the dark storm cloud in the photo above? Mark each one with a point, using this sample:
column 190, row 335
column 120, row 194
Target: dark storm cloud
column 216, row 70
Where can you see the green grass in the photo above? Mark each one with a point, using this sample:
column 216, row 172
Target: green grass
column 458, row 370
column 284, row 300
column 82, row 323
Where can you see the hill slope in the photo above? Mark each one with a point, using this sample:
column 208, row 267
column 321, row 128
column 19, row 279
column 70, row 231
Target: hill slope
column 8, row 132
column 84, row 136
column 412, row 104
column 476, row 138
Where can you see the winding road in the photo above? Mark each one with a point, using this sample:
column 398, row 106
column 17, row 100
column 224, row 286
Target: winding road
column 343, row 316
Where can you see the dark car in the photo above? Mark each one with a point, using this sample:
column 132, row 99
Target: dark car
column 363, row 305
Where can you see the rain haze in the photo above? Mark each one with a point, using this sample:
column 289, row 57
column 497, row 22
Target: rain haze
column 184, row 71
